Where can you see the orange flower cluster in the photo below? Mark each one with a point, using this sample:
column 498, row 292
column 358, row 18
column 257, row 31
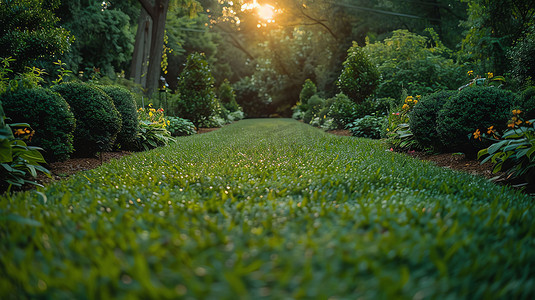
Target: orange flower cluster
column 24, row 133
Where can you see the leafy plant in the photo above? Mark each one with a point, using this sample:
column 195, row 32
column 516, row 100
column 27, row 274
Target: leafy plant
column 359, row 77
column 19, row 162
column 180, row 127
column 153, row 131
column 97, row 119
column 514, row 152
column 370, row 126
column 488, row 80
column 398, row 132
column 342, row 111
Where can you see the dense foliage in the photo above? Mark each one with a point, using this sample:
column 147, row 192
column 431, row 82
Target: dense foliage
column 153, row 132
column 296, row 214
column 309, row 89
column 342, row 110
column 97, row 119
column 522, row 56
column 423, row 119
column 407, row 62
column 527, row 102
column 126, row 106
column 471, row 109
column 369, row 126
column 198, row 102
column 360, row 77
column 227, row 96
column 104, row 42
column 48, row 114
column 180, row 127
column 28, row 32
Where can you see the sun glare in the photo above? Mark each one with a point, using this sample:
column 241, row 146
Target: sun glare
column 266, row 12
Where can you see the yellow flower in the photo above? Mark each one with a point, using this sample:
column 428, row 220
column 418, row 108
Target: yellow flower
column 405, row 106
column 150, row 104
column 516, row 111
column 150, row 114
column 491, row 130
column 168, row 122
column 511, row 125
column 477, row 135
column 409, row 99
column 415, row 101
column 470, row 73
column 518, row 122
column 490, row 75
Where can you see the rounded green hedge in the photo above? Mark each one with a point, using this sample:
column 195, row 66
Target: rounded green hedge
column 48, row 114
column 126, row 105
column 527, row 103
column 97, row 119
column 469, row 110
column 423, row 119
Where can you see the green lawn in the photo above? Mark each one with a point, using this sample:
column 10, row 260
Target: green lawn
column 268, row 209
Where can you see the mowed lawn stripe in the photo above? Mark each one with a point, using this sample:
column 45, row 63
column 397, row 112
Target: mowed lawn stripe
column 273, row 209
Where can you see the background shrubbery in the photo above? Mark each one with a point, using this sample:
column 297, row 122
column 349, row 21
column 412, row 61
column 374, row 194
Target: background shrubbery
column 360, row 76
column 198, row 102
column 407, row 61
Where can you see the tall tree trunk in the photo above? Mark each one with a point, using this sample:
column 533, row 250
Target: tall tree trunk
column 149, row 35
column 140, row 59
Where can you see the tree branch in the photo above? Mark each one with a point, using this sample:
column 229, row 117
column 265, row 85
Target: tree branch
column 149, row 8
column 319, row 22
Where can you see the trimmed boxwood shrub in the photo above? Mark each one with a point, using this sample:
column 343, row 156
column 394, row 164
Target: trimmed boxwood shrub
column 48, row 114
column 469, row 110
column 527, row 103
column 126, row 105
column 97, row 119
column 423, row 119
